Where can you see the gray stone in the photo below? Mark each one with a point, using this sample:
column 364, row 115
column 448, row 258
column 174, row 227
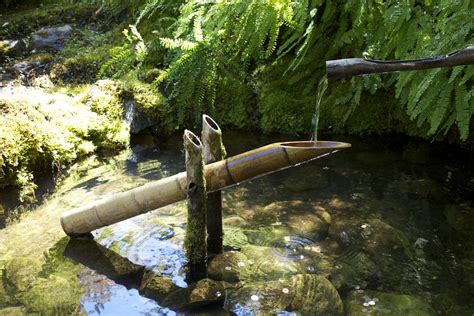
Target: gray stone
column 135, row 118
column 51, row 38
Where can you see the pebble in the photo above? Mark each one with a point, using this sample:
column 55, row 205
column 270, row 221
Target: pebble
column 228, row 268
column 285, row 290
column 254, row 297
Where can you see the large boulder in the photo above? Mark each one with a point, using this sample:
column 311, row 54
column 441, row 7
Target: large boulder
column 50, row 38
column 379, row 303
column 304, row 294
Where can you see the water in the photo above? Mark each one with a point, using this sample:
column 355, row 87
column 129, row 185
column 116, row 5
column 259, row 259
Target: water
column 385, row 225
column 322, row 86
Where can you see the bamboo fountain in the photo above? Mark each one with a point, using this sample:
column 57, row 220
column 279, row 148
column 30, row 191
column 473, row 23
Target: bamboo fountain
column 218, row 175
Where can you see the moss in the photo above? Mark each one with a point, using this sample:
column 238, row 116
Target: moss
column 38, row 129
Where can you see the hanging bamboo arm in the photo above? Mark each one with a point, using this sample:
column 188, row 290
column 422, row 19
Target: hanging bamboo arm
column 349, row 67
column 213, row 150
column 219, row 175
column 195, row 239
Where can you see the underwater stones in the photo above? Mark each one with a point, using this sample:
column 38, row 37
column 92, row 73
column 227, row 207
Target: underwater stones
column 155, row 286
column 272, row 262
column 50, row 38
column 315, row 294
column 304, row 294
column 226, row 266
column 353, row 269
column 21, row 272
column 235, row 221
column 379, row 303
column 202, row 293
column 303, row 218
column 381, row 238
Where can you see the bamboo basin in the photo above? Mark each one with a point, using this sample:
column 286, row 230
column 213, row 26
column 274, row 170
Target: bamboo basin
column 219, row 175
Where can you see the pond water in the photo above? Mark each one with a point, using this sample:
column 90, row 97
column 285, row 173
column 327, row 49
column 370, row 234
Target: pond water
column 383, row 227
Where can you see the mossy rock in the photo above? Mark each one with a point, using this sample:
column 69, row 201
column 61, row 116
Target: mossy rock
column 268, row 263
column 56, row 293
column 355, row 270
column 226, row 266
column 380, row 303
column 304, row 294
column 203, row 293
column 21, row 272
column 155, row 286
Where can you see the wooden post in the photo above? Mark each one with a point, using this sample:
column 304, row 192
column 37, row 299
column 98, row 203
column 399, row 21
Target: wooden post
column 195, row 240
column 214, row 150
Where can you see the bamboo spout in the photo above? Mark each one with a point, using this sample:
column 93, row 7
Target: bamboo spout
column 219, row 175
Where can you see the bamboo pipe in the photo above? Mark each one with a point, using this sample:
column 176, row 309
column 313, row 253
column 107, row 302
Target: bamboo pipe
column 195, row 244
column 349, row 67
column 218, row 175
column 213, row 150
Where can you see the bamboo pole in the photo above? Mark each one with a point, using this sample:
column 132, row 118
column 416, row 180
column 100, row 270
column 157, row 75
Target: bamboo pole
column 213, row 150
column 219, row 175
column 195, row 244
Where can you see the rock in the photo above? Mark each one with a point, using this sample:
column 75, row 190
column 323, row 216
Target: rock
column 204, row 292
column 156, row 287
column 226, row 266
column 21, row 272
column 353, row 270
column 461, row 218
column 51, row 38
column 55, row 293
column 303, row 218
column 135, row 118
column 13, row 48
column 271, row 263
column 379, row 303
column 304, row 294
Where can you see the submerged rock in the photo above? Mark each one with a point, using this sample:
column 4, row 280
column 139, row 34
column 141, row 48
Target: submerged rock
column 202, row 293
column 303, row 294
column 226, row 266
column 52, row 38
column 379, row 303
column 155, row 286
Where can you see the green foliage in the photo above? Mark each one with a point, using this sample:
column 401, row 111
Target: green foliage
column 275, row 50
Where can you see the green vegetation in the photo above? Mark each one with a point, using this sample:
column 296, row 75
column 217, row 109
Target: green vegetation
column 252, row 62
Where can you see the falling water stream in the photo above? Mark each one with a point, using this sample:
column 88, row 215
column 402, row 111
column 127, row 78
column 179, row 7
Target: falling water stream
column 322, row 86
column 385, row 227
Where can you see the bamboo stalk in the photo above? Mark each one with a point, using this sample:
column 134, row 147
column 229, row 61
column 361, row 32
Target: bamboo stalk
column 213, row 150
column 350, row 67
column 195, row 244
column 219, row 175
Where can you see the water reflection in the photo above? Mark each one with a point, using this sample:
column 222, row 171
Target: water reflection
column 365, row 224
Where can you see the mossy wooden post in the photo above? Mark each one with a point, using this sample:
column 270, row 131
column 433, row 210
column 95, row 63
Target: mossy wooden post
column 214, row 151
column 195, row 240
